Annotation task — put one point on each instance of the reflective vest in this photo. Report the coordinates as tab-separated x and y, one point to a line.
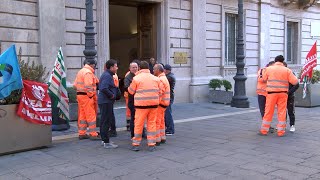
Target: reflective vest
261	85
85	81
116	80
145	88
278	78
164	90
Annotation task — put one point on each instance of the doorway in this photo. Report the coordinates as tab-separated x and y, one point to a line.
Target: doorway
133	32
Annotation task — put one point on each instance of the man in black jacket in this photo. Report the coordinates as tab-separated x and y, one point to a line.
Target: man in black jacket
127	81
107	95
291	105
168	113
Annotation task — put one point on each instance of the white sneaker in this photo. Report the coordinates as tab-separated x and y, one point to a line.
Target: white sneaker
110	145
292	128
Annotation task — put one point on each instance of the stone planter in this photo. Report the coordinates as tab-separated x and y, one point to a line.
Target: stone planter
73	111
219	96
312	98
17	134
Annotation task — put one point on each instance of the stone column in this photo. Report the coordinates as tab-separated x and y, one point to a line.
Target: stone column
264	32
103	34
198	62
51	30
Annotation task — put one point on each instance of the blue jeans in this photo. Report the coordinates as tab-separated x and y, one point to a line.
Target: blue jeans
168	119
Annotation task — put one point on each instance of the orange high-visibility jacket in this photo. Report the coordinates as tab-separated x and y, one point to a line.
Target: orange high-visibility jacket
164	90
278	78
85	81
145	88
261	85
116	80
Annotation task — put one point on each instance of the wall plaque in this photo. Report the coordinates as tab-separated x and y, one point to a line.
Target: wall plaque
180	58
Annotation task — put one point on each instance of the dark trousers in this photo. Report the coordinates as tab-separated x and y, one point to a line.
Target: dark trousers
113	122
168	119
262	104
132	111
291	111
107	115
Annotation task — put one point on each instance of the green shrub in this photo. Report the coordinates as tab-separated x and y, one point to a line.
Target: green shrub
315	76
72	95
215	83
227	85
31	72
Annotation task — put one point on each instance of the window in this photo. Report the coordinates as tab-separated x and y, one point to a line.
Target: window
292	42
230	38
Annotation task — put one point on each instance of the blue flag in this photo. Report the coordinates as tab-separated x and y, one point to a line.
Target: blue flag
10	76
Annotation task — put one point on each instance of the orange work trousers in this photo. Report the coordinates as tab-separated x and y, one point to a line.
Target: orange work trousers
279	99
128	114
140	116
86	115
161	135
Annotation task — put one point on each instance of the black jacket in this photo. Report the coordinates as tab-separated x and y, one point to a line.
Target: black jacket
127	81
172	81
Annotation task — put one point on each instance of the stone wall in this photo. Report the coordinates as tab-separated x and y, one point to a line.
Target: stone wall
19	25
180	41
74	35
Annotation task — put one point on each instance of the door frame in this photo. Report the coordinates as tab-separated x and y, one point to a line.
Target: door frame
103	36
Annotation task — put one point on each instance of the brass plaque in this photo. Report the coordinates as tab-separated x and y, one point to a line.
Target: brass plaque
180	58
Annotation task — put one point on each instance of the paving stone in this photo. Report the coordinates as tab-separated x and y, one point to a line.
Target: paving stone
72	170
12	176
51	176
288	175
34	171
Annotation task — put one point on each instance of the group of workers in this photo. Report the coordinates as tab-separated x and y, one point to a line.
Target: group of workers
275	88
149	93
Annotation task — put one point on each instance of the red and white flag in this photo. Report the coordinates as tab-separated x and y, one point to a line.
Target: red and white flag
311	62
35	103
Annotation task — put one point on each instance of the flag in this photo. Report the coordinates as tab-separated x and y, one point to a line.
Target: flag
311	62
304	90
307	69
10	76
35	103
58	90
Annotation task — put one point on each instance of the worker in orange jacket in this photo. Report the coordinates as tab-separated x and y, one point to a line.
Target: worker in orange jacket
145	88
278	78
158	71
262	92
128	114
85	84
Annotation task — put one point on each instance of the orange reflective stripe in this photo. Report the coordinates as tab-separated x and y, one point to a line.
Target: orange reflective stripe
145	98
147	90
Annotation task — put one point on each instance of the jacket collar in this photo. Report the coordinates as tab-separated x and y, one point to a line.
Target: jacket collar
162	74
143	71
110	72
278	64
88	67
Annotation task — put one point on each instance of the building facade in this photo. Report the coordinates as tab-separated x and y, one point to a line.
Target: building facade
196	37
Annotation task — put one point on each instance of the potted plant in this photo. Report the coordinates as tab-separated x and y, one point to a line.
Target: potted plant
19	134
312	98
73	104
217	95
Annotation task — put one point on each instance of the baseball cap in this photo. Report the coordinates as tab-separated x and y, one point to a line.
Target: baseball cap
167	67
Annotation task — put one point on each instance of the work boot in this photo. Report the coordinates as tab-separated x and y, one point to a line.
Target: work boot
163	141
157	143
81	137
260	134
94	138
152	148
135	148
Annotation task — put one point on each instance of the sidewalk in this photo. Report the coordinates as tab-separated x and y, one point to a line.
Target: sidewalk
212	141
